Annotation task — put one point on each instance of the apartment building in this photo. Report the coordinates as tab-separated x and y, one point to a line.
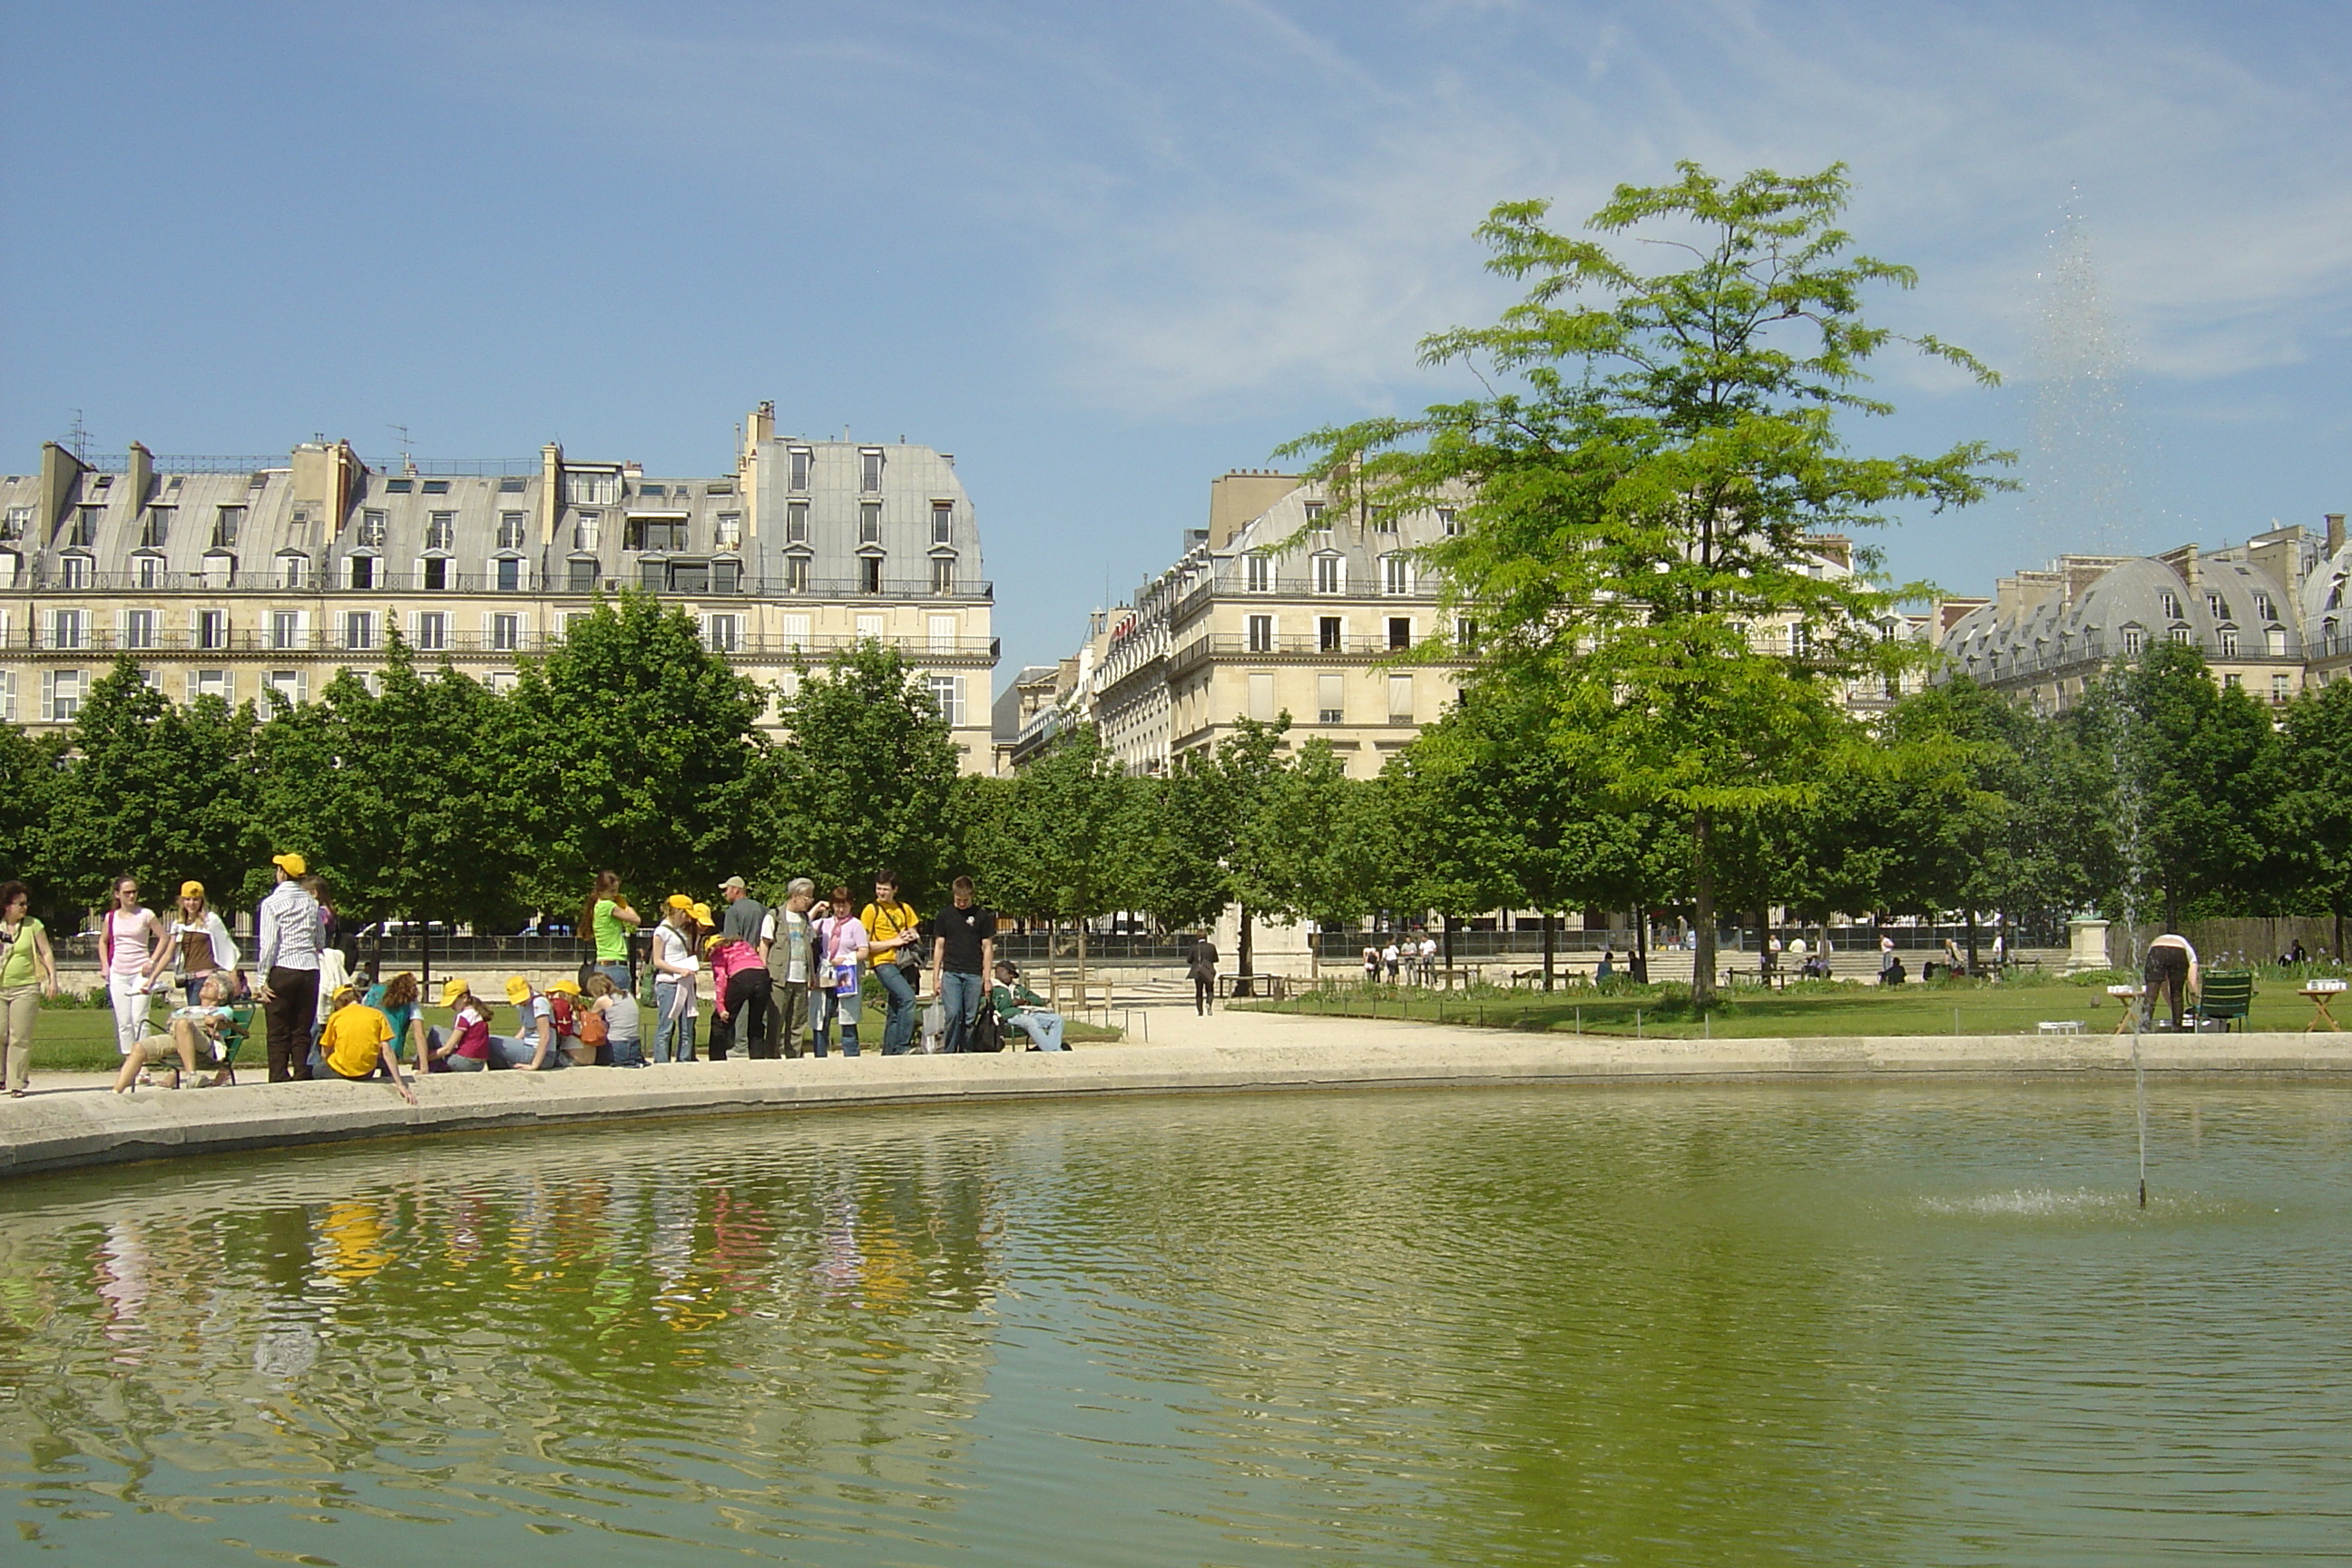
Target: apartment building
241	577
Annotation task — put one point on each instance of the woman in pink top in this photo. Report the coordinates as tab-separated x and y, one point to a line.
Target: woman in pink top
134	949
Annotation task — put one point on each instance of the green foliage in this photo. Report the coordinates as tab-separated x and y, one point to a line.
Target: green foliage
2312	819
1062	841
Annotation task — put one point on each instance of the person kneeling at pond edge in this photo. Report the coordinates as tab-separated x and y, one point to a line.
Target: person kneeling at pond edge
1023	1009
533	1046
357	1040
202	1019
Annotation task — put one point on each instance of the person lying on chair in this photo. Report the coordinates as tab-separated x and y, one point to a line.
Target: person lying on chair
1023	1009
201	1020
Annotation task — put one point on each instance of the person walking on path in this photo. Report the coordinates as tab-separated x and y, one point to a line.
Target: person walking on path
286	953
201	945
28	970
675	965
894	949
2170	971
964	953
784	939
609	922
133	949
1201	964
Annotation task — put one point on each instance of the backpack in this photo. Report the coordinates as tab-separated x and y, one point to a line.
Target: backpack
593	1030
567	1021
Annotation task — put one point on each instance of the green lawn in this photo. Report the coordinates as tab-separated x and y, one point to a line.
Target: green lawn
1814	1009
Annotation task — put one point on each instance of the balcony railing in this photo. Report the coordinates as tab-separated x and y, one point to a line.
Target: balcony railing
1236	645
267	641
48	579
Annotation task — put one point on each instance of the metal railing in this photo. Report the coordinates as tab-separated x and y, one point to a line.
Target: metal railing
49	577
333	639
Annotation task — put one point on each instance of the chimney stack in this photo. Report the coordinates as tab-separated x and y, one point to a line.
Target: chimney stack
2335	532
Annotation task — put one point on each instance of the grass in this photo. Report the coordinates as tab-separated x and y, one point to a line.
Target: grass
1812	1009
81	1039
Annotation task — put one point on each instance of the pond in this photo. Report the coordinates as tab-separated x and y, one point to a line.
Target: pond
1675	1325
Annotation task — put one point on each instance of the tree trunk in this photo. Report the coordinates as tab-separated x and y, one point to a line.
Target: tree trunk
1242	986
2340	934
1082	968
1703	912
1764	961
1638	964
1551	945
424	935
1449	942
1972	939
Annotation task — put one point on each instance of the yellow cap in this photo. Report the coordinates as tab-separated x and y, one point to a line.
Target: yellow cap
702	915
569	987
192	889
711	941
451	990
293	865
678	901
518	990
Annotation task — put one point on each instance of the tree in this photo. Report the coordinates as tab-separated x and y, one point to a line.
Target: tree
630	747
1218	798
1063	841
153	791
1634	514
29	772
2313	817
862	779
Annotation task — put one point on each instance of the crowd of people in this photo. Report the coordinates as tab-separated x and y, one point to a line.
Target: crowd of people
781	982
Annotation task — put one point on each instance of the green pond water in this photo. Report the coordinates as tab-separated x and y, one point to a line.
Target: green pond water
1692	1325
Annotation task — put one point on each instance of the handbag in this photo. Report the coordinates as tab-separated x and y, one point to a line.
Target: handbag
593	1030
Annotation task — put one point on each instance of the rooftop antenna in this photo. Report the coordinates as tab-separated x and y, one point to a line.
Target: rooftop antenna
78	439
407	457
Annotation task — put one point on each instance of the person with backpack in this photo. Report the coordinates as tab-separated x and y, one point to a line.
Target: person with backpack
895	950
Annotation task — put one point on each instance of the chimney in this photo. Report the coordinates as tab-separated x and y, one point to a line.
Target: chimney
2335	532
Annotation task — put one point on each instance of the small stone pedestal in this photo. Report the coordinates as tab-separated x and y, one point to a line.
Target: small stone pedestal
2088	946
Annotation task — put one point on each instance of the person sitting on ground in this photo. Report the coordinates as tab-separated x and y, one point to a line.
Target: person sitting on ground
202	1019
358	1039
532	1046
466	1047
1023	1009
398	1000
565	1007
624	1036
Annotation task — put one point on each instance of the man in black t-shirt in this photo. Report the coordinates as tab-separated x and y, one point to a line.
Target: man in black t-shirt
963	950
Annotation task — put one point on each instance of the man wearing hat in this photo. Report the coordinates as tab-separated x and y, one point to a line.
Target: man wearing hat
287	957
746	1026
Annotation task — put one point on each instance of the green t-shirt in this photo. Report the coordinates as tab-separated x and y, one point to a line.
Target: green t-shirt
612	936
19	968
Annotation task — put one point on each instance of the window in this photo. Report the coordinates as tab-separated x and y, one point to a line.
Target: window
138	628
943	574
373	527
287	683
796	574
656	533
1465	635
1328	638
1261	697
2133	639
573	620
1448	521
942	522
293	571
436	487
2278	688
506	633
512	485
68	628
212	629
1383	520
869	522
2180	634
1261	633
12	567
509	569
509	530
148	570
1331	699
19	523
657	489
1396	575
259	481
210	683
362	571
869	574
502	681
2234	682
2264	608
441	531
284	629
391	487
228	524
2274	642
2228	641
942	634
436	572
1257	572
591	488
724	487
1400	699
869	470
580	576
67	687
1330	574
723	634
1315	514
2216	608
1400	631
799	460
85	526
74	572
690	576
2171	602
796	522
947	694
359	630
586	528
156	528
727	533
796	630
869	627
433	631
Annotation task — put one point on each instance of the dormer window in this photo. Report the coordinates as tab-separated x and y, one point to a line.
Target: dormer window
398	487
2216	607
372	530
436	487
228	524
1330	574
74	572
2264	608
156	528
362	569
2135	638
441	531
147	571
2170	604
293	570
85	526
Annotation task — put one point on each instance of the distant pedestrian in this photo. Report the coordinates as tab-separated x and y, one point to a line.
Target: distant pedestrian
963	953
610	921
1607	968
1201	964
1372	964
1428	958
747	1025
133	951
1390	957
28	970
1886	958
2170	971
286	955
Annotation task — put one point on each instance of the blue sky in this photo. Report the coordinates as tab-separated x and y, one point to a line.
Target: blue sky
1104	252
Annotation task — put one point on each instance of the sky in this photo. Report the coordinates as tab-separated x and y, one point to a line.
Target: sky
1103	253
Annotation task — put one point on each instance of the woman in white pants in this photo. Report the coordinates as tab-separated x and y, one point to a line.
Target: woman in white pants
134	949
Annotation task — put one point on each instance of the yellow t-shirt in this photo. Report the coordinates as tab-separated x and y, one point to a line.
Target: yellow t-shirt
883	921
354	1039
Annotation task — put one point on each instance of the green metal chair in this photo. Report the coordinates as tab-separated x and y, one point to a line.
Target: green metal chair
2227	997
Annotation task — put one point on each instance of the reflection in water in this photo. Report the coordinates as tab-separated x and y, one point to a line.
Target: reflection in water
1471	1328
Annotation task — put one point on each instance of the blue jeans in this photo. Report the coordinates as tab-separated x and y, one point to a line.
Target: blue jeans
512	1051
1044	1028
899	1030
618	973
673	1036
961	995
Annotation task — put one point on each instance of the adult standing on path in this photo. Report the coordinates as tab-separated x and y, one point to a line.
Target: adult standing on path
201	945
287	954
894	949
741	922
784	946
609	921
1200	963
964	953
132	951
2170	971
846	947
28	970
